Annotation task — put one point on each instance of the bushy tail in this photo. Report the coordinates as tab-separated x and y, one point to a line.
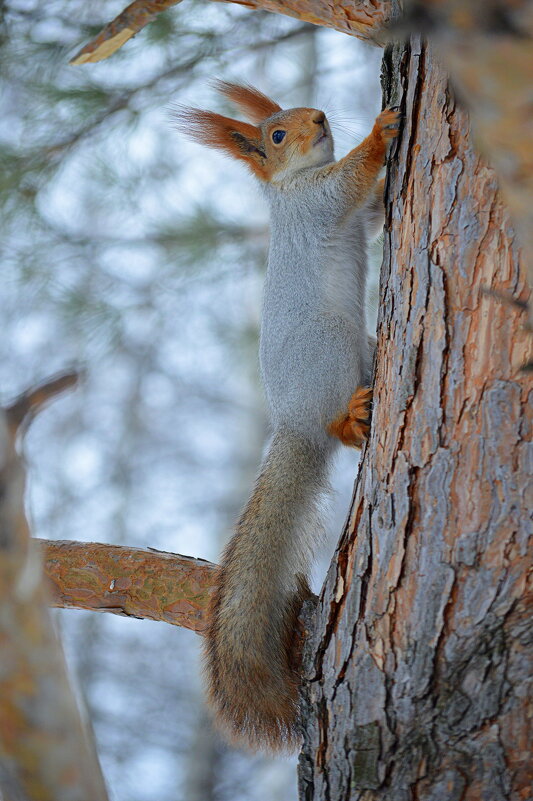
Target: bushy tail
261	585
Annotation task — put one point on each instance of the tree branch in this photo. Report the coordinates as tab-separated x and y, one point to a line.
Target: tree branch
128	581
361	18
22	411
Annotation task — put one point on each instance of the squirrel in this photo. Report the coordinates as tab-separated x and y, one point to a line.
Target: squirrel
314	352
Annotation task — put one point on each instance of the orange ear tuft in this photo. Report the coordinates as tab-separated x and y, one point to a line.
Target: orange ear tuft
240	139
257	106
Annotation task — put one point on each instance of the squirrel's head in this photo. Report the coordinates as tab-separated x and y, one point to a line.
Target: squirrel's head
277	144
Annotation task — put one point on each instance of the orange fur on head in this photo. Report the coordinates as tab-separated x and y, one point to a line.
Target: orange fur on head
257	106
240	139
306	137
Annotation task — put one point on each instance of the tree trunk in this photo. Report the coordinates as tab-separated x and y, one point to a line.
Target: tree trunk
47	751
416	666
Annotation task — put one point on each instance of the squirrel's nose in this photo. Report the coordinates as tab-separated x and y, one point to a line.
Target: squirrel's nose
319	117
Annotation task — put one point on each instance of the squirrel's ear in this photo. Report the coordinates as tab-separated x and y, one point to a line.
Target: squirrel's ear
257	106
239	139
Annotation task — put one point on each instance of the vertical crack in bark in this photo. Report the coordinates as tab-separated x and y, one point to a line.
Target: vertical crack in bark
414	111
336	606
321	756
444	366
365	576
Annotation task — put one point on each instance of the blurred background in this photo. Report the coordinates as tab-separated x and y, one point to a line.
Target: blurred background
140	256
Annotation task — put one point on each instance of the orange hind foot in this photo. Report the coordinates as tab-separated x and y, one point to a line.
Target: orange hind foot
353	426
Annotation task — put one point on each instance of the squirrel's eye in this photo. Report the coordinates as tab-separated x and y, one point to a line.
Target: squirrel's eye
278	136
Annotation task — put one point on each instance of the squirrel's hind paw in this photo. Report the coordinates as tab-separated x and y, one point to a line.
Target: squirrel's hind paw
352	427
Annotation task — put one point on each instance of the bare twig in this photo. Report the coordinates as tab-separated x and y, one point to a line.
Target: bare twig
506	297
22	411
518	303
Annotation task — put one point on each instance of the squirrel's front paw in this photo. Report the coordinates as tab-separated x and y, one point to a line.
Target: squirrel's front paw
352	427
388	124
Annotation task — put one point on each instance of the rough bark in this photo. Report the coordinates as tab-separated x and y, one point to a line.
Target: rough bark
128	581
416	668
486	46
46	750
361	18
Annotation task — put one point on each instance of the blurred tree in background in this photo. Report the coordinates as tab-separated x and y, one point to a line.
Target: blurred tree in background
140	256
